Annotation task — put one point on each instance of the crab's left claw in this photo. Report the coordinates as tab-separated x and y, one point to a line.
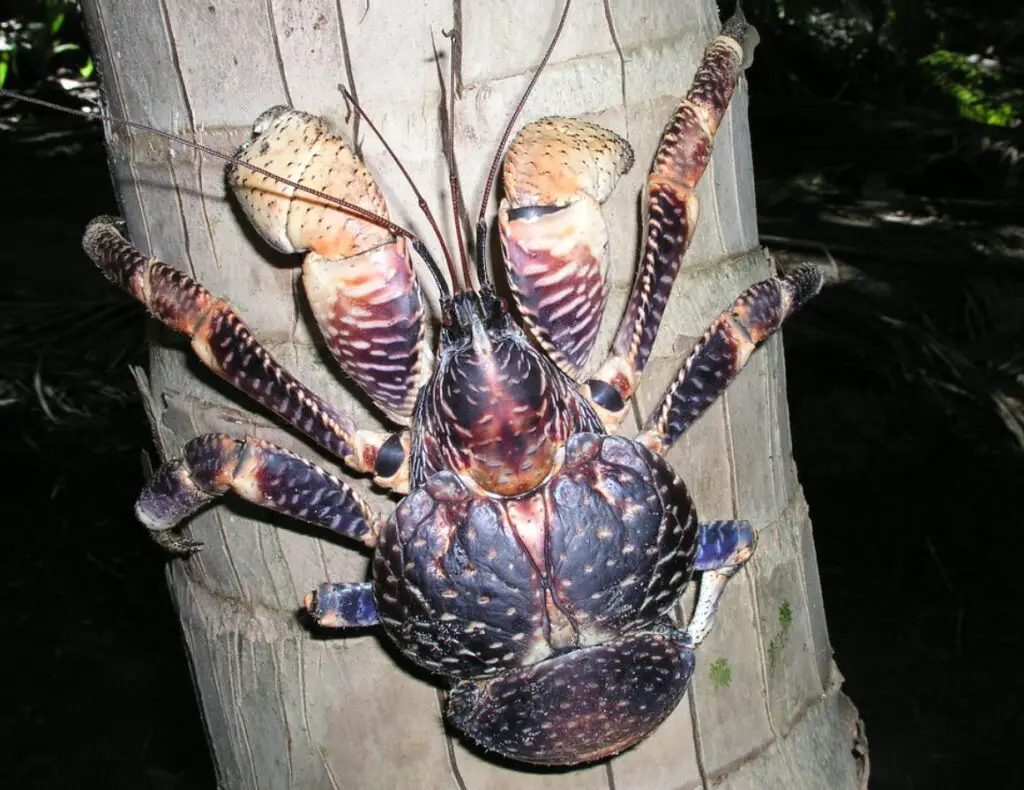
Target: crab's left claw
580	706
557	173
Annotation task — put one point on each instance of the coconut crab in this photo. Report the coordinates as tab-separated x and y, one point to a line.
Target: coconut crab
535	556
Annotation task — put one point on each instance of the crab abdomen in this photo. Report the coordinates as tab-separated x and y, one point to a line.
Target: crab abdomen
470	585
580	706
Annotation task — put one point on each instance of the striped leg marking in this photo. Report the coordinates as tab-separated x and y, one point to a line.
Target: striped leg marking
671	215
720	355
722	549
259	472
225	345
343	605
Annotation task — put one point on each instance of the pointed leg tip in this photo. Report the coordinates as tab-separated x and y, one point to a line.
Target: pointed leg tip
801	284
736	25
811	274
98	228
176	543
105	222
737	28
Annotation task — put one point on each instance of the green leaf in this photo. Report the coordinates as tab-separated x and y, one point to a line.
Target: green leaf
56	23
3	71
87	70
972	87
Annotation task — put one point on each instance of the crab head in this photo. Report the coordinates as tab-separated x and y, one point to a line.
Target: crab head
496	410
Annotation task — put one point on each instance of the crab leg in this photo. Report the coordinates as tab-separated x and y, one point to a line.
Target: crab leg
226	346
343	605
259	472
720	355
671	214
722	549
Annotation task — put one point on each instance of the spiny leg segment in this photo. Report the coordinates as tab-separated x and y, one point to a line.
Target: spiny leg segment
724	349
671	212
225	345
722	549
341	605
259	472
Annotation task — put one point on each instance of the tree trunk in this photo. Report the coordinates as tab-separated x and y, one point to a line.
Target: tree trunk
284	709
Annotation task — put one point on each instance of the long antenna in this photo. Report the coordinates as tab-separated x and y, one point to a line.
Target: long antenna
349	208
448	142
481	222
344	205
419	196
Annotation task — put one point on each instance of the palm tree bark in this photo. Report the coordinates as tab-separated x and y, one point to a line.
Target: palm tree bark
285	709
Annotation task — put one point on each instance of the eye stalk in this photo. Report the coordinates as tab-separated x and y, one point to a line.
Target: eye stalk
494	307
460	313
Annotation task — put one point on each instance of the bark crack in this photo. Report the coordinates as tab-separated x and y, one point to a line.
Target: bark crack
346	55
272	23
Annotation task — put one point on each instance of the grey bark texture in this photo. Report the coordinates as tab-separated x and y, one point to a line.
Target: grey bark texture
286	710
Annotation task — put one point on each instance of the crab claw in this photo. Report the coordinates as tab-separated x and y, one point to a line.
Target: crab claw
578	707
554	238
358	277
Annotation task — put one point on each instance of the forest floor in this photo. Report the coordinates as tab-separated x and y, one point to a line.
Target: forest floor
902	395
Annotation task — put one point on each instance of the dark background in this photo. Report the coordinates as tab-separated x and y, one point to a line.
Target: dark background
887	144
